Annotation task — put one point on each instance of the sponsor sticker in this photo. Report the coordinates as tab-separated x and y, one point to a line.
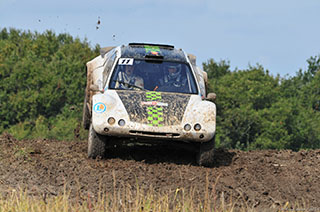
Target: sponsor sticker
154	103
155	50
99	107
126	61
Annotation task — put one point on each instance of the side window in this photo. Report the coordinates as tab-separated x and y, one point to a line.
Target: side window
108	67
196	72
200	81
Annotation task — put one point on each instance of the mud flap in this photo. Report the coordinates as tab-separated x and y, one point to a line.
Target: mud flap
205	154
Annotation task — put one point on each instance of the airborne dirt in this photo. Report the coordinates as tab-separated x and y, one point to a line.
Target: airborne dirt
260	179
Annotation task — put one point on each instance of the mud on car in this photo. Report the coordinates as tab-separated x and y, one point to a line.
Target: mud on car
148	93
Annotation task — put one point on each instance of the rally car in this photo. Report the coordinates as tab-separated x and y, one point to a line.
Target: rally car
148	92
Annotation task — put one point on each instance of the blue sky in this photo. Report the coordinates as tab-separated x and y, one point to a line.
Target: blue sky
279	35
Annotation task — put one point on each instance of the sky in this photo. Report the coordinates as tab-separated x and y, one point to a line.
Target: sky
280	35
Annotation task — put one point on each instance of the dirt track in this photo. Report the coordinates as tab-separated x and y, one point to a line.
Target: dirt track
262	178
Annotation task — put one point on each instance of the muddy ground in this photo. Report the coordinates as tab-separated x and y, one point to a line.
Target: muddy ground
261	179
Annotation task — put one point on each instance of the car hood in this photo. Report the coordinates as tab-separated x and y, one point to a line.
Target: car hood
154	108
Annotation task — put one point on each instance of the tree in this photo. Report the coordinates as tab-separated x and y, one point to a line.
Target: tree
41	75
240	97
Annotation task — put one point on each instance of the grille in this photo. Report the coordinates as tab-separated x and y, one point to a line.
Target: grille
154	134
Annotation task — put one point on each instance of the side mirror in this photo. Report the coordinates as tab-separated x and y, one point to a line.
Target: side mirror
95	88
211	96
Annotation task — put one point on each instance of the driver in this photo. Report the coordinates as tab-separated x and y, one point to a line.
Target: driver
173	80
127	77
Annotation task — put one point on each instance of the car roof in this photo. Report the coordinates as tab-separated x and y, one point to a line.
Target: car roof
152	51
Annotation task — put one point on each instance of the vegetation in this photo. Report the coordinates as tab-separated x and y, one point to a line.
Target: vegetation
259	111
43	78
42	83
131	199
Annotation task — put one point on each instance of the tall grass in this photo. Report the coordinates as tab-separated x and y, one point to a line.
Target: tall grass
125	200
131	199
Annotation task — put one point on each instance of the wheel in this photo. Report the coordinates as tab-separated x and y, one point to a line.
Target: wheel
96	144
85	114
205	155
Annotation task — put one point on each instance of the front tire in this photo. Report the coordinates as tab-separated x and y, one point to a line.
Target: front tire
205	155
96	144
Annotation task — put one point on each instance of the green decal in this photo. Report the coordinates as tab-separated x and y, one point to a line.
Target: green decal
153	96
155	112
152	49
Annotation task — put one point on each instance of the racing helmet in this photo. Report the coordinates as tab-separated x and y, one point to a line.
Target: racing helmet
176	73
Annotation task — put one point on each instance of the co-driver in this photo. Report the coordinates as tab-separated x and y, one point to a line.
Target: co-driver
128	80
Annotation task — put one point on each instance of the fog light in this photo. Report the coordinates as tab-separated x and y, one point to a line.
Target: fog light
111	120
106	129
121	122
197	127
187	127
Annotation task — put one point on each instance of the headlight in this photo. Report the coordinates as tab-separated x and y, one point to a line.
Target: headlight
187	127
197	127
121	122
111	120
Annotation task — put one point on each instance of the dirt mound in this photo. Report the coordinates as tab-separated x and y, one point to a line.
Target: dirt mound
261	179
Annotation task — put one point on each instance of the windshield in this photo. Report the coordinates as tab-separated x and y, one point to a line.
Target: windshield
135	74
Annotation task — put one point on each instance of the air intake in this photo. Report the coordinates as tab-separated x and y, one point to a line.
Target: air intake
154	134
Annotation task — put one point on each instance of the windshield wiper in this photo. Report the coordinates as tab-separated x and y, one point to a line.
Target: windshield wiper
131	85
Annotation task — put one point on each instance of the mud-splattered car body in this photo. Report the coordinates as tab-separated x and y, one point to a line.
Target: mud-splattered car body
153	110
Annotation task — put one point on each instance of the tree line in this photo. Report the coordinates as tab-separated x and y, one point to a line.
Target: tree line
259	111
43	77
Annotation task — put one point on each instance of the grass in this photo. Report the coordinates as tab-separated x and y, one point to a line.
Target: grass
131	199
125	200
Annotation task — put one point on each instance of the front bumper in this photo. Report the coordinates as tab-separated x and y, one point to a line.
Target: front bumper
177	132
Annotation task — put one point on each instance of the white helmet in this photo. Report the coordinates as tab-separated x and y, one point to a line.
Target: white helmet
176	73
